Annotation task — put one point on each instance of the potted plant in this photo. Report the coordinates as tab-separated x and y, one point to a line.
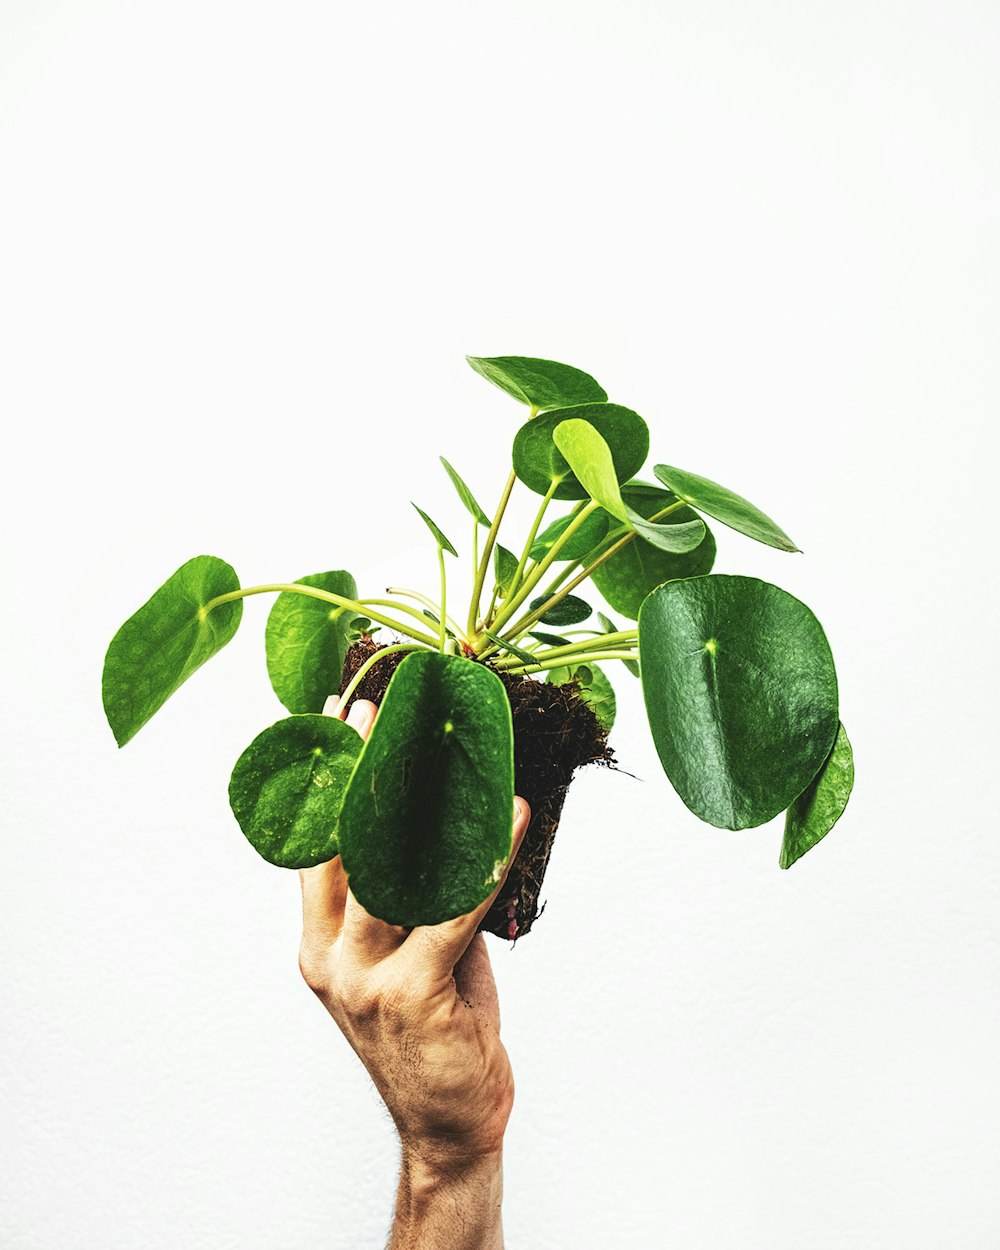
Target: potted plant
511	694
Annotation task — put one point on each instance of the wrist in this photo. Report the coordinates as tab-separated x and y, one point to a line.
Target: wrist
448	1200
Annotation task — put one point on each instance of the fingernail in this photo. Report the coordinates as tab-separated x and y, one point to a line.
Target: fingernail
332	706
361	715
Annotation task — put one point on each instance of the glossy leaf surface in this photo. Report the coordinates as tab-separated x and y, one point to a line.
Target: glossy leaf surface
161	645
288	785
627	577
579	543
594	688
425	831
821	804
538	460
466	495
584	448
306	640
568	611
539	383
438	536
724	505
741	695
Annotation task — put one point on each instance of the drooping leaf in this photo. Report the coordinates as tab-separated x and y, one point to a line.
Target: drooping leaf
466	495
161	645
504	568
579	543
438	536
513	648
609	627
425	830
627	577
821	804
741	695
539	383
306	640
538	459
584	448
594	688
729	508
568	611
288	785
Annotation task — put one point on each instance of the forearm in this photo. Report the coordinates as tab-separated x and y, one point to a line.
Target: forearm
448	1209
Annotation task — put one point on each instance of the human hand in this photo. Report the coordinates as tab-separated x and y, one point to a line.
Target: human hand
420	1009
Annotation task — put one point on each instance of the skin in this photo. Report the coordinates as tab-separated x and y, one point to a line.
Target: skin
420	1009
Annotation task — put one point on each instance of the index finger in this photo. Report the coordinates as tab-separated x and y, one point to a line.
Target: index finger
438	948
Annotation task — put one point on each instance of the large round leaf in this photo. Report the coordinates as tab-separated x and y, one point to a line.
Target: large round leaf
306	640
627	577
161	645
821	804
288	785
726	506
740	692
425	831
539	383
537	459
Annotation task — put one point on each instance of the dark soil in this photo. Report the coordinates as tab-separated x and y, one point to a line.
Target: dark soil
555	733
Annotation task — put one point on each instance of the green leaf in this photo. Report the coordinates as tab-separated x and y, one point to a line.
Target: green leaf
539	383
538	460
306	641
425	831
568	611
466	495
438	536
594	688
161	645
288	785
740	692
504	568
627	577
511	647
731	509
552	640
579	543
592	462
609	627
821	804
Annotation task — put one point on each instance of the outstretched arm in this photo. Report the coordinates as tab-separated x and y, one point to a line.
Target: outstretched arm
420	1009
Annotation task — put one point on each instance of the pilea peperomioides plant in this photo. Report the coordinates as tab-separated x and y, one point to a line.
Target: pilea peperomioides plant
737	676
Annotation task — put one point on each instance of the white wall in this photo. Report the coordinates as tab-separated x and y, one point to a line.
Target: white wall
243	248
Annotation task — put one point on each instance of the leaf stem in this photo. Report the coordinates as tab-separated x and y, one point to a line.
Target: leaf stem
444	593
359	676
428	603
539	515
542	567
572	650
328	596
595	656
484	559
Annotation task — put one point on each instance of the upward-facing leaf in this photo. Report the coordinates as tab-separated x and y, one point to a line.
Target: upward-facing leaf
538	459
425	829
466	495
726	506
438	536
306	640
590	458
161	645
740	692
539	383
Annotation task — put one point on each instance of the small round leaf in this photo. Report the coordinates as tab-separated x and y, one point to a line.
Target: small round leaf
288	785
570	610
537	459
539	383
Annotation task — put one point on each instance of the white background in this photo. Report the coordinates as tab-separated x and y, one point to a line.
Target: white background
243	249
